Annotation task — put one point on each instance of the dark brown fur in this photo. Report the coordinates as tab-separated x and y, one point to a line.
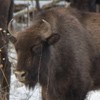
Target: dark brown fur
85	5
69	65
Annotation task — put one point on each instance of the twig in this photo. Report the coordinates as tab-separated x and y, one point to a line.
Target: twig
31	9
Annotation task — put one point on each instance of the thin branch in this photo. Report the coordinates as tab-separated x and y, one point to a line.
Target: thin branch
24	11
37	5
31	9
51	4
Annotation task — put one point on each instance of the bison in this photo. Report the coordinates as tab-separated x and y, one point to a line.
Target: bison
60	51
85	5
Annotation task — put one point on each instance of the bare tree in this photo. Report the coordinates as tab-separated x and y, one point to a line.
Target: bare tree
37	5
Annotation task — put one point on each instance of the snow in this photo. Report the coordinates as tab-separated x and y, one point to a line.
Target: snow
32	3
20	92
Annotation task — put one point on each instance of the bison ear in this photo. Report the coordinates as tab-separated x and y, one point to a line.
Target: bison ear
53	38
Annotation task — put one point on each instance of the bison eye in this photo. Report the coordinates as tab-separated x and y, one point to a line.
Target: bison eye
37	48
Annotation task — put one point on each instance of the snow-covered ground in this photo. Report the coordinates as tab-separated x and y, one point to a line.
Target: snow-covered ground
20	92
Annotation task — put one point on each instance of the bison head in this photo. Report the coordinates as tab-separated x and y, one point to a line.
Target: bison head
33	51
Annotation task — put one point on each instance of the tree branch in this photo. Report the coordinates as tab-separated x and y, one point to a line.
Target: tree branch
37	5
31	9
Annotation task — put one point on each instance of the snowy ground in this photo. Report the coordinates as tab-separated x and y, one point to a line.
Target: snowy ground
20	92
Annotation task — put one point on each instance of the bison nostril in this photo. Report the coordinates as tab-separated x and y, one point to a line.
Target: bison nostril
21	75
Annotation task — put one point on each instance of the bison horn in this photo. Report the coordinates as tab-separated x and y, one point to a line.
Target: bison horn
10	26
12	38
48	33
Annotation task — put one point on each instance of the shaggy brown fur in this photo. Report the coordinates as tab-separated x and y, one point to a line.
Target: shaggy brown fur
85	5
66	63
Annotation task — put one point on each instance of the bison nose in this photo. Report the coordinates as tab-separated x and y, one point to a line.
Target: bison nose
20	75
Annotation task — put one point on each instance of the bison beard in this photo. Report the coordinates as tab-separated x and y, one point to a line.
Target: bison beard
60	51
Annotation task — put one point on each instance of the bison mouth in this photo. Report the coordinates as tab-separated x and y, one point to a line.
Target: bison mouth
28	78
